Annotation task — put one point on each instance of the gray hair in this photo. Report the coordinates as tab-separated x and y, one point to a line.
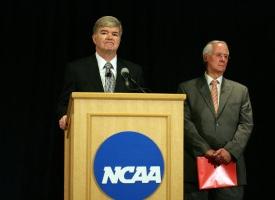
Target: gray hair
208	49
107	21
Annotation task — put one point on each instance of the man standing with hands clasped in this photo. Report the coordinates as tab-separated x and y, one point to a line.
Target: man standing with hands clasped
102	71
218	123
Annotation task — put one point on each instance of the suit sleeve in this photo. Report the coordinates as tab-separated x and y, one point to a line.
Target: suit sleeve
237	145
194	143
68	87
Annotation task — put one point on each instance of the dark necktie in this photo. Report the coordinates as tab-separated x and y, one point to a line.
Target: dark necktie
109	78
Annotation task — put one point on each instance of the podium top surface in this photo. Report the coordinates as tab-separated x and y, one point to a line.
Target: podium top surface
152	96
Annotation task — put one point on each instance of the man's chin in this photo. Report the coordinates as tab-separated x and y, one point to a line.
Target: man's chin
110	50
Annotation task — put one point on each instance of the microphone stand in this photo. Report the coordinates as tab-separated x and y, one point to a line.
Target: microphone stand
137	85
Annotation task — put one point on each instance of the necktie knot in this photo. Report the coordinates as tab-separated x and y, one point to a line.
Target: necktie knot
108	65
214	82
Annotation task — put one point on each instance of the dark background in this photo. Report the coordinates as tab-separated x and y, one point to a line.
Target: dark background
39	37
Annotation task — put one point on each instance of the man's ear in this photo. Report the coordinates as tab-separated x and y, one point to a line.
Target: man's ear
93	38
205	58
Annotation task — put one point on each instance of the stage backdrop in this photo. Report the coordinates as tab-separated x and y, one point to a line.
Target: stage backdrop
166	39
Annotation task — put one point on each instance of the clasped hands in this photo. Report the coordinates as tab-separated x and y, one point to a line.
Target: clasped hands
218	157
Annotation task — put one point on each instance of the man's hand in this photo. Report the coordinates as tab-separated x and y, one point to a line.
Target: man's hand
222	156
63	122
218	157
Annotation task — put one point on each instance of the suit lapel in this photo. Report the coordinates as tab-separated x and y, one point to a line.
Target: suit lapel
94	73
226	89
205	93
120	83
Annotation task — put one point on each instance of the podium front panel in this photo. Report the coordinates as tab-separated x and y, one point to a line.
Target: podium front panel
93	120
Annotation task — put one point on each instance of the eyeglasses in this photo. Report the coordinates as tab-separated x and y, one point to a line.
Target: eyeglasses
221	55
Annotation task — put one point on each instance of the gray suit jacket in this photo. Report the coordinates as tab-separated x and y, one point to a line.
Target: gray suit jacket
230	128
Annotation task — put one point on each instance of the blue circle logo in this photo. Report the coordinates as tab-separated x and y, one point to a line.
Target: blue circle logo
128	165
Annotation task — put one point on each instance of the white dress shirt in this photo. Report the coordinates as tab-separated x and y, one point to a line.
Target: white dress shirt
101	63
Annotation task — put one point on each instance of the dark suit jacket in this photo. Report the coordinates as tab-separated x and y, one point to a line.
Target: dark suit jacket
230	128
83	76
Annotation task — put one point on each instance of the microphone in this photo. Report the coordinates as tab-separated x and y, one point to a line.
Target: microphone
126	75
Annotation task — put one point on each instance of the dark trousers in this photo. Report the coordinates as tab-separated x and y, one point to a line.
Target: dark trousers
191	192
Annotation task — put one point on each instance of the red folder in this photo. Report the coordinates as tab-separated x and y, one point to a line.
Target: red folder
213	176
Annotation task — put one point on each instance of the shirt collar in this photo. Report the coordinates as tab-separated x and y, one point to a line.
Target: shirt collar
101	61
209	79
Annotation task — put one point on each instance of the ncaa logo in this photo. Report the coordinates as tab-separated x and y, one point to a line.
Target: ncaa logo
128	166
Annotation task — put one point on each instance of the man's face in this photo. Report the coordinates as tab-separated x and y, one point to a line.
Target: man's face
107	38
217	61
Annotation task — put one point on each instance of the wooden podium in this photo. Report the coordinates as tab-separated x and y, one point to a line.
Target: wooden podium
93	117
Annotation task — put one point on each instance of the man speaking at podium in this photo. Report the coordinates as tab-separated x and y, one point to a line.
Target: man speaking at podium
102	71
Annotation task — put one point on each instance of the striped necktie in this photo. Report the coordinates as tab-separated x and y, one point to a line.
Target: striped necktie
214	94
